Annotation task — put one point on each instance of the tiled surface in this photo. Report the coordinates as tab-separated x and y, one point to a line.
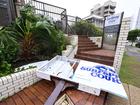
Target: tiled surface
133	97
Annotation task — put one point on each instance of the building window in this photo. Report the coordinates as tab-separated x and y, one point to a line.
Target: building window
112	7
92	12
99	9
107	7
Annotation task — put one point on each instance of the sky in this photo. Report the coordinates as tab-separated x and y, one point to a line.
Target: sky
81	8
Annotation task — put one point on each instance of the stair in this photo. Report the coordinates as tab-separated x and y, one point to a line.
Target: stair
96	56
85	44
98	59
87	50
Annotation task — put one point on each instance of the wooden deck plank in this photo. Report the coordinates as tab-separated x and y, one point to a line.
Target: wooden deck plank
78	97
72	94
47	88
24	97
82	98
18	100
34	99
37	94
10	101
3	103
101	99
42	91
90	100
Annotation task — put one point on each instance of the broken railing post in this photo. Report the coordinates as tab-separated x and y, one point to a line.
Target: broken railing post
61	85
53	97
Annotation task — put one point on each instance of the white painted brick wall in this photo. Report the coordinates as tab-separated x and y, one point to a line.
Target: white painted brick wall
121	43
15	82
71	50
97	40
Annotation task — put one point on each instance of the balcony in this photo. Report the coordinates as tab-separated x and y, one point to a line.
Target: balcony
109	10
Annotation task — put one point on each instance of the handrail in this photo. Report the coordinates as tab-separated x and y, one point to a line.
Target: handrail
71	30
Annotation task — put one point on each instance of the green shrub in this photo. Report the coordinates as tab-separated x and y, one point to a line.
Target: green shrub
8	52
85	28
37	35
29	37
5	68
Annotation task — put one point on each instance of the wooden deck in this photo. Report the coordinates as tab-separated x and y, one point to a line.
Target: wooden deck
82	98
38	93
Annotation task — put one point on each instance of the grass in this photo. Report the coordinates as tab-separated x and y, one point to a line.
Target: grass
130	71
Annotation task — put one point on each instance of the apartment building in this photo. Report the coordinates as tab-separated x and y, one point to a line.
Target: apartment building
98	21
98	12
108	8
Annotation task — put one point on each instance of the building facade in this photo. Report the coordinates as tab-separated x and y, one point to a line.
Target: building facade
98	12
98	21
138	20
108	8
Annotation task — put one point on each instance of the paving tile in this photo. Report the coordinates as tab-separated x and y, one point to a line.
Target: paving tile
115	100
134	95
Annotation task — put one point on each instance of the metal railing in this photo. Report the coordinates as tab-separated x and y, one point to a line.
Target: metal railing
57	14
54	12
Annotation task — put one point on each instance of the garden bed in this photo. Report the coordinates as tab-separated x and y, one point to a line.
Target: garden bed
15	82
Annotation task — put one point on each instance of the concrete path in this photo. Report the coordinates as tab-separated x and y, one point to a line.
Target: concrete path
133	97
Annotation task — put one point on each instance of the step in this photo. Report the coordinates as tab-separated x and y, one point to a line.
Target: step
102	61
88	45
88	49
96	56
85	43
82	36
82	43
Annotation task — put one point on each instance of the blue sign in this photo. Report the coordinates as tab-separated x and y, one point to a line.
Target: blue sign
102	72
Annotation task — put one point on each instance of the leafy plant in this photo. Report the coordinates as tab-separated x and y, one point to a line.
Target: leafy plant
29	37
8	51
5	68
85	28
37	35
